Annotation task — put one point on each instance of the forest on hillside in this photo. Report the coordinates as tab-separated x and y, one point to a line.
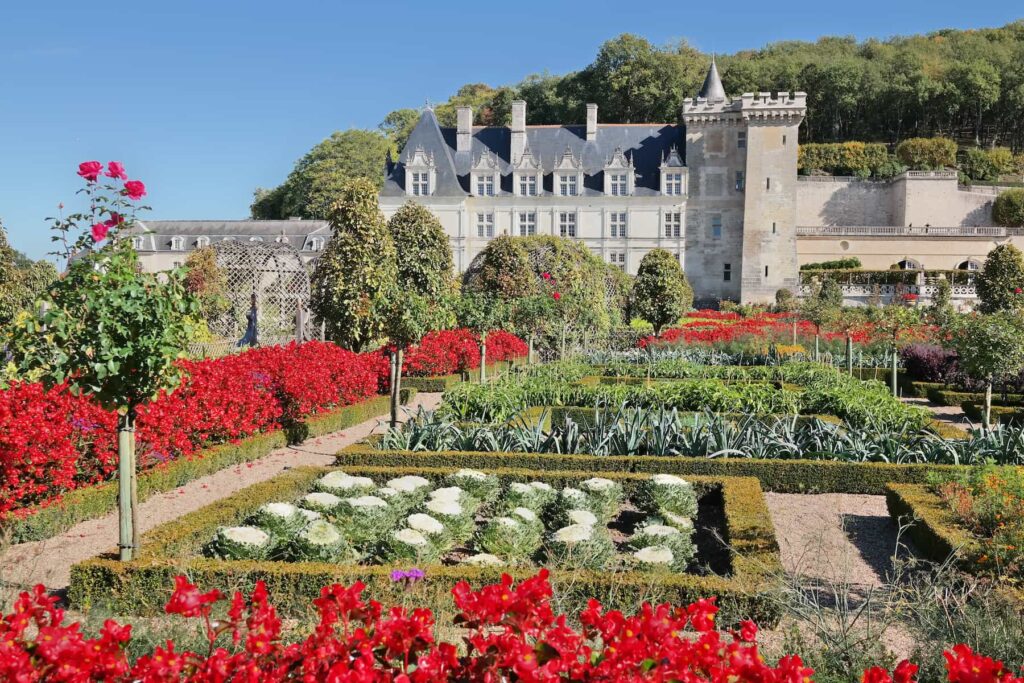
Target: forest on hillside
967	85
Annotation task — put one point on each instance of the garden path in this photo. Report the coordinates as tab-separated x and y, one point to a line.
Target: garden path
951	415
49	562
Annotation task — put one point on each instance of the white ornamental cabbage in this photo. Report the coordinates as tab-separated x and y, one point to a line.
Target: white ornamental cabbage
309	515
408	484
483	560
425	524
320	542
580	546
240	543
605	496
664	493
320	501
662	535
364	519
484	487
526	495
340	483
457	520
574	533
280	520
581	517
510	539
654	557
409	545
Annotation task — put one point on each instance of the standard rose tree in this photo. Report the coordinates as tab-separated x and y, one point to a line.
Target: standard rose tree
108	330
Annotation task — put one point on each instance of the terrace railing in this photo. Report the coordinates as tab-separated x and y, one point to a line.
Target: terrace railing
905	231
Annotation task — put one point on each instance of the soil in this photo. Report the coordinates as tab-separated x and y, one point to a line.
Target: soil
49	562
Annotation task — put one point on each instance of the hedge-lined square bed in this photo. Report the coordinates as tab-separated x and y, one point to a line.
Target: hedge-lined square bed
621	538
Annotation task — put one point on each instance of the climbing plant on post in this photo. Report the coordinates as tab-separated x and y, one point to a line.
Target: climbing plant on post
108	329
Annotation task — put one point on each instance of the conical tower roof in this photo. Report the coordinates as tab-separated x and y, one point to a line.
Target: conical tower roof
712	89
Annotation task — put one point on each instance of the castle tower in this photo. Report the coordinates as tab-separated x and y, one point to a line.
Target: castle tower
741	213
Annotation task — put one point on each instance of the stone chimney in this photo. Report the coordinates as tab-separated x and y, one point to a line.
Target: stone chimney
591	122
464	130
518	130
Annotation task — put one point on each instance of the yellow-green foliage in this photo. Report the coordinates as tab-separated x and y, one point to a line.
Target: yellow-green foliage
927	154
143	585
860	159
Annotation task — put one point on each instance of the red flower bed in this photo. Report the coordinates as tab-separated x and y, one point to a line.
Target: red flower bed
447	352
51	441
710	327
511	633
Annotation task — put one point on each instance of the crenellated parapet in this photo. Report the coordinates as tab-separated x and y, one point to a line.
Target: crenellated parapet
783	107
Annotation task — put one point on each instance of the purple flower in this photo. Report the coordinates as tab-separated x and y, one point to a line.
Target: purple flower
408	576
397	575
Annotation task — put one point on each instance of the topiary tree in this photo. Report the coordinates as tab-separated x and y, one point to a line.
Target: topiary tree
847	321
109	329
820	306
661	293
1008	208
482	314
420	300
357	270
1000	284
505	270
988	347
941	309
890	321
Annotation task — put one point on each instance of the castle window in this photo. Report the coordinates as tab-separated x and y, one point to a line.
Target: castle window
619	187
783	139
674	224
316	244
767	183
741	181
673	184
201	241
527	223
716	226
485	225
617	222
137	243
177	243
909	264
766	271
528	185
969	264
567	185
421	183
485	185
617	258
773	227
567	223
256	239
741	140
727	272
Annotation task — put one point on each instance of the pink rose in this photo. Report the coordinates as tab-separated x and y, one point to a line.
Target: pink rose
115	220
1017	291
99	231
134	189
556	296
116	170
90	170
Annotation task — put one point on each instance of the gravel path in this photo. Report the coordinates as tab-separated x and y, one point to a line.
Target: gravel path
951	415
834	537
49	562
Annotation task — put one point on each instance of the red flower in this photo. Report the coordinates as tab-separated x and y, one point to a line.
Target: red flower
546	275
188	601
748	631
905	672
1017	291
90	170
556	296
99	231
876	674
115	220
116	170
134	189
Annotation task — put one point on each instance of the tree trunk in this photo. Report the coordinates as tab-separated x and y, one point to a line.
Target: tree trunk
794	331
987	417
895	357
849	354
126	485
529	353
817	354
396	385
483	358
561	351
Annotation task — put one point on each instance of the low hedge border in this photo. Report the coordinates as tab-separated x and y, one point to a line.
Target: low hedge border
436	384
780	476
1000	414
76	506
141	587
945	396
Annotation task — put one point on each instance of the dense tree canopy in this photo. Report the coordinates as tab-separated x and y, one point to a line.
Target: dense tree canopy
661	293
1001	280
22	280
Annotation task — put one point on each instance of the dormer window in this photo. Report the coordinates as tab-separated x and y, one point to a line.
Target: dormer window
316	243
137	242
618	175
177	243
528	185
567	186
674	184
256	239
485	185
673	174
420	173
526	175
202	241
486	174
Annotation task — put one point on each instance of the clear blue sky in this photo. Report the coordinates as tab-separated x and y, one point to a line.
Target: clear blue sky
204	101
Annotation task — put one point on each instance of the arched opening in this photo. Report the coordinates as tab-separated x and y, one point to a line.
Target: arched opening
970	264
909	264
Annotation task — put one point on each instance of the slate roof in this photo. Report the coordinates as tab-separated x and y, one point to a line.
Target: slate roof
158	234
647	144
712	88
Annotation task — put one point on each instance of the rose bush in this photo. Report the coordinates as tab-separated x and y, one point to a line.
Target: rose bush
52	441
511	633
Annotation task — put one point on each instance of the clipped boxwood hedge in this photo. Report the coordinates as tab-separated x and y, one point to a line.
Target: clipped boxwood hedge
1001	414
948	397
142	586
95	501
436	384
933	528
782	476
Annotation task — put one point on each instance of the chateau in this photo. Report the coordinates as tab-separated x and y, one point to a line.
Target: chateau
719	189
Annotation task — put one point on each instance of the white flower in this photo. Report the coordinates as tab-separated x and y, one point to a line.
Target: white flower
574	533
425	524
283	510
582	517
506	521
519	487
471	474
409	537
540	486
654	554
386	492
597	484
657	530
310	515
447	493
483	560
246	535
447	508
408	483
322	500
525	514
364	502
669	480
